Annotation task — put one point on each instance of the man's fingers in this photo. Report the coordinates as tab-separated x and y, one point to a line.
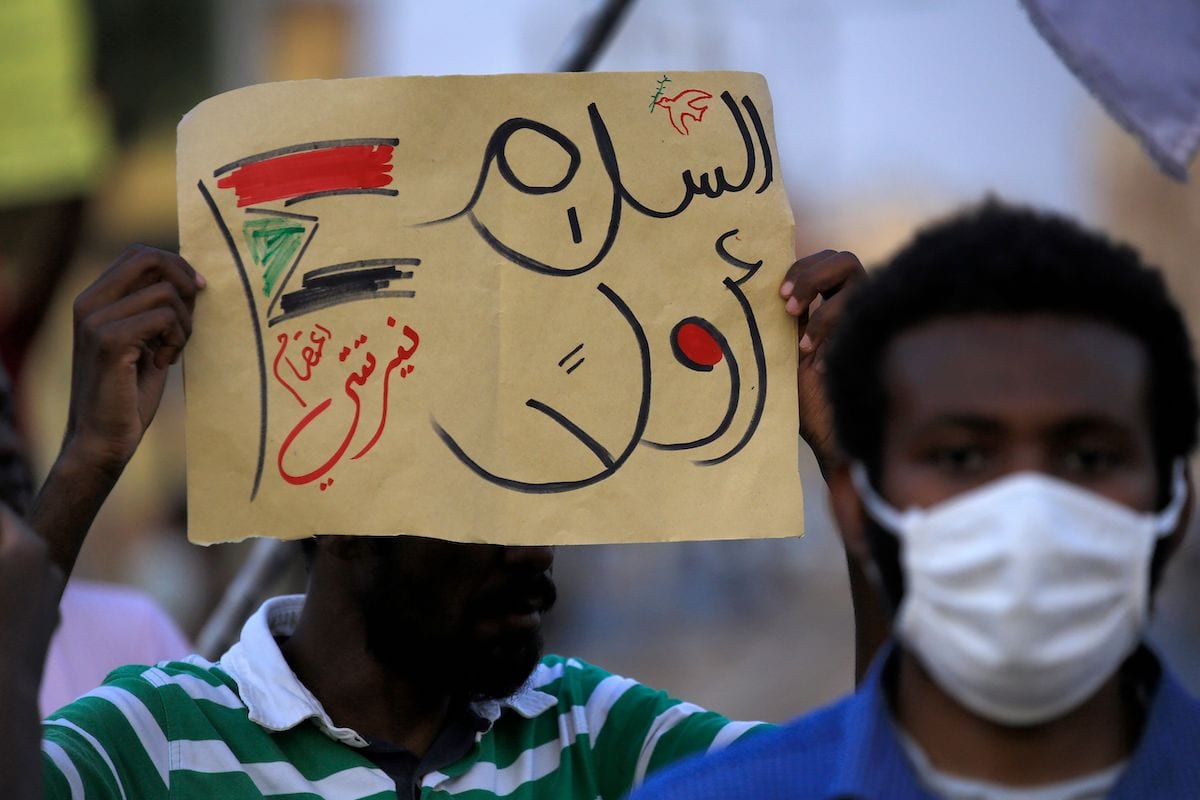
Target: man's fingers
798	267
822	321
157	295
161	334
137	267
157	330
820	274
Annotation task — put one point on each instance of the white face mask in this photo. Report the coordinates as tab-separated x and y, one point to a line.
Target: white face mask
1024	595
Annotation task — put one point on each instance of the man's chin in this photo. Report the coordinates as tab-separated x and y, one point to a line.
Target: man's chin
503	664
489	661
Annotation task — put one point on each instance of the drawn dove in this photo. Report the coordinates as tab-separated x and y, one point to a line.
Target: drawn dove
692	105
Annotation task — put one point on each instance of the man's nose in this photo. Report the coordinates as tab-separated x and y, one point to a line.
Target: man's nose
1031	457
537	558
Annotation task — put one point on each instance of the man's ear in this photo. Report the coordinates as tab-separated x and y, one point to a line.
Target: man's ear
1175	538
871	619
849	514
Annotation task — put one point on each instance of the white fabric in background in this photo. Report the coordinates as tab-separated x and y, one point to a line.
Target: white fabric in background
1141	59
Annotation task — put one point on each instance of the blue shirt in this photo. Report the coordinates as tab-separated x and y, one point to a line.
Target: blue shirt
851	750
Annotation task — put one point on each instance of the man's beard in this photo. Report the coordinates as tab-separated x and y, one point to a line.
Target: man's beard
410	634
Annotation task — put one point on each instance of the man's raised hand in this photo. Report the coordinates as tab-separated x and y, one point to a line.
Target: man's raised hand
815	291
130	326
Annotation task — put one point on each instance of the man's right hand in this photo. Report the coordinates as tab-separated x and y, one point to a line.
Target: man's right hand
130	326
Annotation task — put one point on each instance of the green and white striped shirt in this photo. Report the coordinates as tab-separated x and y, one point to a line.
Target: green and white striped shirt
246	728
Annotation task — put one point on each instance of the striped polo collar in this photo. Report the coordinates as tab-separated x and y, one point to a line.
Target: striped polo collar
278	701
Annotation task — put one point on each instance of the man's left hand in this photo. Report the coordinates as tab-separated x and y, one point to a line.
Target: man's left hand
815	291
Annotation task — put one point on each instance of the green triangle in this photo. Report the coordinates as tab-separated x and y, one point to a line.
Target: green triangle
273	242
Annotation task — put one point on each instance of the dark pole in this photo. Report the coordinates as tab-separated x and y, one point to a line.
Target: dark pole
591	36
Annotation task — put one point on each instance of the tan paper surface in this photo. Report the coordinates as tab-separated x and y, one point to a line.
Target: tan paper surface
516	309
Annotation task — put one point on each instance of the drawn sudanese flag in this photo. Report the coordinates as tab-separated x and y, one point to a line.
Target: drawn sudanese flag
545	320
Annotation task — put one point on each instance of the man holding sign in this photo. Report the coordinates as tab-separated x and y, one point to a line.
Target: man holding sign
412	665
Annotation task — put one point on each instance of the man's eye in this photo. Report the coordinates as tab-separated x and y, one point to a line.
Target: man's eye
1093	460
958	459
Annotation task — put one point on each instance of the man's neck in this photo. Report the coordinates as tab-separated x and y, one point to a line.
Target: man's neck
328	653
958	742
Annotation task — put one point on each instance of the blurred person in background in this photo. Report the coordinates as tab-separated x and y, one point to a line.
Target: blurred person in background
29	589
1018	398
82	82
56	138
102	626
412	666
54	141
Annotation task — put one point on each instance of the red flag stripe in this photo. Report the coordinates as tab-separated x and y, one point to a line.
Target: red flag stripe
332	169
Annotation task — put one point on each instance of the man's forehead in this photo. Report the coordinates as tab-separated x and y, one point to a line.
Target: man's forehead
1038	368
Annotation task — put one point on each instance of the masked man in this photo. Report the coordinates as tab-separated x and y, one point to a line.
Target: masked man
1017	397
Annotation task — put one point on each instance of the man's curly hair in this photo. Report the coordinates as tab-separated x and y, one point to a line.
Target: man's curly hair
1000	259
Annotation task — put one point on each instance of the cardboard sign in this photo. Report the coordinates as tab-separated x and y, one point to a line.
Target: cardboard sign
519	309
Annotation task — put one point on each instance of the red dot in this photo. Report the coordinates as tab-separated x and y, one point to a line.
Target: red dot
697	344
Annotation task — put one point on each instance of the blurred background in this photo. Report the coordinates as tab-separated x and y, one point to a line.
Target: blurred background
886	114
